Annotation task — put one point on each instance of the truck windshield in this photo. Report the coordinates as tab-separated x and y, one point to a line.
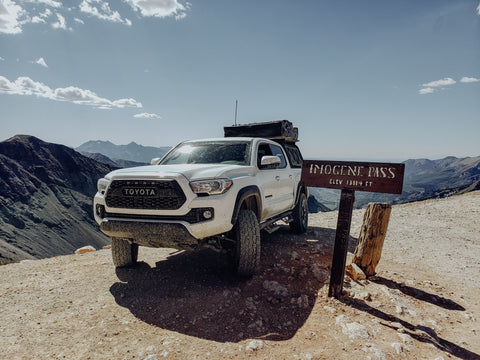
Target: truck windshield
211	152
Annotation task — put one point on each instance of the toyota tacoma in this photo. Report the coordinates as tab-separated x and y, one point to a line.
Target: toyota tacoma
218	193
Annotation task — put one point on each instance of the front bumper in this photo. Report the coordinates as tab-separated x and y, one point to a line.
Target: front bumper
152	234
152	223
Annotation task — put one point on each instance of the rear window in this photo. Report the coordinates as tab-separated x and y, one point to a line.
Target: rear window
294	156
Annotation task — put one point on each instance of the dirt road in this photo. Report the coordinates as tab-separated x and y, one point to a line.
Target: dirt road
423	304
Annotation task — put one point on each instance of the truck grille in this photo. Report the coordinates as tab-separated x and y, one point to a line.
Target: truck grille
147	195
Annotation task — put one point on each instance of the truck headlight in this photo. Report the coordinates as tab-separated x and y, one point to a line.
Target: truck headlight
102	185
211	186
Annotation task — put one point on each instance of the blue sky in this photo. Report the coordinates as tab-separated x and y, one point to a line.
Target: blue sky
363	80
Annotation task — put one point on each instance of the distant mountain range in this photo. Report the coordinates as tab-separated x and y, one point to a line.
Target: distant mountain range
117	163
46	193
131	152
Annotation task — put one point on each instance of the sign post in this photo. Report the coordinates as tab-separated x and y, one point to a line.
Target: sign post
350	177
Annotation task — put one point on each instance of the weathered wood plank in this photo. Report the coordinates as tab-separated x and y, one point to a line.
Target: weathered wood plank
361	176
372	235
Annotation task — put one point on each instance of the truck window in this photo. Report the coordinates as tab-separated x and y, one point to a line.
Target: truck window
269	149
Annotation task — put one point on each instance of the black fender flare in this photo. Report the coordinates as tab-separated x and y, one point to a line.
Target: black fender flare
301	188
243	194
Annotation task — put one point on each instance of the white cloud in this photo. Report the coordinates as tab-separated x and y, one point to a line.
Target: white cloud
181	16
10	14
28	87
2	59
147	116
14	14
466	79
478	9
61	23
41	62
24	86
52	3
159	8
41	17
101	9
443	82
427	90
37	20
122	103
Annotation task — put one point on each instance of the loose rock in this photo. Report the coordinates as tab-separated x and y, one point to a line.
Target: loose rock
398	348
275	287
254	345
352	329
354	271
85	249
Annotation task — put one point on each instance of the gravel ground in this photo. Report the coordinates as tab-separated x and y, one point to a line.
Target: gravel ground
422	304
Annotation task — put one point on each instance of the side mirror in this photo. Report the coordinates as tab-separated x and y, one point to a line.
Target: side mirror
270	162
155	161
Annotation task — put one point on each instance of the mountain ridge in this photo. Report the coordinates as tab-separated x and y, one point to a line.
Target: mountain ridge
130	152
46	193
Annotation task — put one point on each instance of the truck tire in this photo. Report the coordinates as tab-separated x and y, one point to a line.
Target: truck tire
124	253
247	244
300	215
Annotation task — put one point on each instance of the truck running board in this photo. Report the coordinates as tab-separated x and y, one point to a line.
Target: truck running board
269	225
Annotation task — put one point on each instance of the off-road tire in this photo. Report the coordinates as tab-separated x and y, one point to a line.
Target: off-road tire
123	252
300	215
247	244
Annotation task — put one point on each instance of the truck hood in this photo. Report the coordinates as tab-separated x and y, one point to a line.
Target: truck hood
189	171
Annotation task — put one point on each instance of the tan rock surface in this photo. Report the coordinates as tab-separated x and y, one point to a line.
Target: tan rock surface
423	303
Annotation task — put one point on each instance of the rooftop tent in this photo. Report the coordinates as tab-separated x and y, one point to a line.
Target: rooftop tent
275	130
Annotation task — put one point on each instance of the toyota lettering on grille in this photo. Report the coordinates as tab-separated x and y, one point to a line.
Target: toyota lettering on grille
139	191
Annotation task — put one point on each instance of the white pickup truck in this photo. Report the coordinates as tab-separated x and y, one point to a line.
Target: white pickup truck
213	192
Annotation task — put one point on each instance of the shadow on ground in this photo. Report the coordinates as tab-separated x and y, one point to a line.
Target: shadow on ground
420	333
195	293
419	294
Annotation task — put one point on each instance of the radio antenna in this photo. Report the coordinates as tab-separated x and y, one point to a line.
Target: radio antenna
236	106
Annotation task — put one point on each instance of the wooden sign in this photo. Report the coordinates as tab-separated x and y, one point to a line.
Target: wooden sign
349	177
360	176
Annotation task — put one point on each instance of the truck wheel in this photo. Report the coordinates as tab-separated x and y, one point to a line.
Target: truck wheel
300	215
247	244
123	252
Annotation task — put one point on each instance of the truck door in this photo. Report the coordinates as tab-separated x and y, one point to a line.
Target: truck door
277	185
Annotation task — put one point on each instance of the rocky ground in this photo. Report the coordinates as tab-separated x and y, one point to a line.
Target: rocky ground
422	304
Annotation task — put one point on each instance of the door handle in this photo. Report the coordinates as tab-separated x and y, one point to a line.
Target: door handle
277	178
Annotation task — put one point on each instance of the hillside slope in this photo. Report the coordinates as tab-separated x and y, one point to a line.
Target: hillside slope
46	193
423	303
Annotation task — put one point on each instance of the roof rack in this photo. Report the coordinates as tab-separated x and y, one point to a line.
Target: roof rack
280	130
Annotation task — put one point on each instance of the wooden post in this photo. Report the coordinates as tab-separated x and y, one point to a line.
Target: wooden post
370	242
347	198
